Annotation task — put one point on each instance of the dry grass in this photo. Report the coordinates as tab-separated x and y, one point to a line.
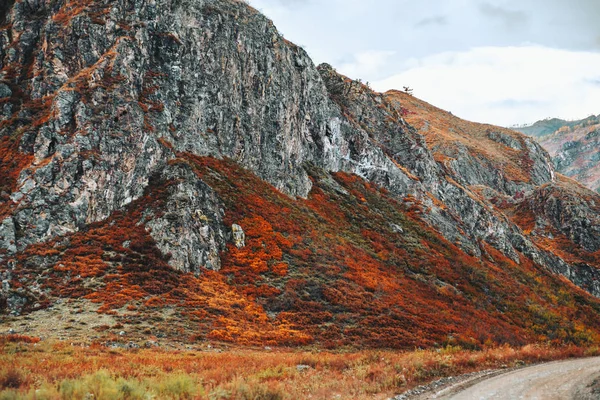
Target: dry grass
446	134
59	370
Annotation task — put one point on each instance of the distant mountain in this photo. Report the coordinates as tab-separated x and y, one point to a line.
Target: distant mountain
543	127
573	145
182	170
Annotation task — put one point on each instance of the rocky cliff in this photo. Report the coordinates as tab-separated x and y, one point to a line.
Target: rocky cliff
574	147
127	124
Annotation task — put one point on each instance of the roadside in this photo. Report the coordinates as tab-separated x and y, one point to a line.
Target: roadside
449	385
558	380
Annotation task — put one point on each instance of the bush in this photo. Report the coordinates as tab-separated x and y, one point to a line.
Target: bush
259	392
9	395
11	379
178	387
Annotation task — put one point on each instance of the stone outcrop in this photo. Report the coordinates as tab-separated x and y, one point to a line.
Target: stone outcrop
190	228
239	238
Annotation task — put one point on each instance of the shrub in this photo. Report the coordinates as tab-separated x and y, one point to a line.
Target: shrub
11	379
16	338
9	395
131	390
178	386
259	392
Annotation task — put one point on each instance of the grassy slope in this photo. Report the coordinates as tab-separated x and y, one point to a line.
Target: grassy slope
446	134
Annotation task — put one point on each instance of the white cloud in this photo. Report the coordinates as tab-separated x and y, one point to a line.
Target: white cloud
505	85
366	63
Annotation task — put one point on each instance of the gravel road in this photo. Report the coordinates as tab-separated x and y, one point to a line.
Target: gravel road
561	380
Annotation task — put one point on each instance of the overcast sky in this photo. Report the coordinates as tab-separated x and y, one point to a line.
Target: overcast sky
499	61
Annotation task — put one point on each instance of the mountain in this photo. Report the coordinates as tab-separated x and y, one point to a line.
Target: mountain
545	127
574	147
178	168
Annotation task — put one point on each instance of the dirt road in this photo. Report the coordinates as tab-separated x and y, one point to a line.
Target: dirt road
560	380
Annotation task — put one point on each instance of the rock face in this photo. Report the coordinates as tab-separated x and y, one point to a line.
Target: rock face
574	147
570	210
191	226
99	96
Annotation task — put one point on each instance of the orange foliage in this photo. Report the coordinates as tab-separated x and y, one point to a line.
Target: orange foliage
329	269
16	338
73	8
396	285
359	375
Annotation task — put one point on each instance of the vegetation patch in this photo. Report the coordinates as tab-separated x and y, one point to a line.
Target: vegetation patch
57	370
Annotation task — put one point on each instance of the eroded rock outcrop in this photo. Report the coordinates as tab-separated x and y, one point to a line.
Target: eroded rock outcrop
191	227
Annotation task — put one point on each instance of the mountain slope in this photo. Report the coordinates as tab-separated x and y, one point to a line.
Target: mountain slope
574	147
138	138
332	269
545	127
505	172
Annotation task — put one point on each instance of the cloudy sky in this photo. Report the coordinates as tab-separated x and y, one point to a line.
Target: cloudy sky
499	61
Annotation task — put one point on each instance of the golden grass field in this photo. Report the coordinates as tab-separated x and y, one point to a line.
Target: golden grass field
31	369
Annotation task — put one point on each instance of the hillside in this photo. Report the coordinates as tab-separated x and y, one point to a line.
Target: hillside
177	170
545	127
574	147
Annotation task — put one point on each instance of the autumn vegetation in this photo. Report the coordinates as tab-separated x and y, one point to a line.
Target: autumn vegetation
332	271
449	138
57	370
347	293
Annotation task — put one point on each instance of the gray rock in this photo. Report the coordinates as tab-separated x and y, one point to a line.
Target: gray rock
302	367
5	91
7	236
191	229
396	228
239	237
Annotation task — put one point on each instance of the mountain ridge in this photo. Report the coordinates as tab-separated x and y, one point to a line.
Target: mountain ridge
124	163
573	146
